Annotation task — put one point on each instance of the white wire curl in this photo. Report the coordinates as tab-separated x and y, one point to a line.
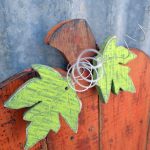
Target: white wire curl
85	65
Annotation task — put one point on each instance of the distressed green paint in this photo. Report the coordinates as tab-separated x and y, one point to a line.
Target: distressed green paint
115	76
46	96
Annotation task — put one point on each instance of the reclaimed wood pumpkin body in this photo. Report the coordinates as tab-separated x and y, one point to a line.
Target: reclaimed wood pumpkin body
123	123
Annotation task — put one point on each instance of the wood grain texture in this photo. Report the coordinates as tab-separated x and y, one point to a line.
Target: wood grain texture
71	39
87	137
46	97
148	135
12	125
122	123
125	115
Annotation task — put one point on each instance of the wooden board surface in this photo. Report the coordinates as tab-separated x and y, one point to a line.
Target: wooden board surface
121	124
12	126
125	119
71	39
77	37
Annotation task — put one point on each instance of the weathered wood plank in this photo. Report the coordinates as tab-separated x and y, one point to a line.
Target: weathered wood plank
71	38
121	124
12	126
148	135
77	36
124	120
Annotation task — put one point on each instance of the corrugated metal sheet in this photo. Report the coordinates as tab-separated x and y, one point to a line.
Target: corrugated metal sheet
23	25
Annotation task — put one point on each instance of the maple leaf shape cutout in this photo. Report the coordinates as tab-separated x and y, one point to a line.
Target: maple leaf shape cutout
46	96
115	73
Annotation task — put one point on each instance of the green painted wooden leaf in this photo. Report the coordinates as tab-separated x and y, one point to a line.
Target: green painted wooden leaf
46	96
115	75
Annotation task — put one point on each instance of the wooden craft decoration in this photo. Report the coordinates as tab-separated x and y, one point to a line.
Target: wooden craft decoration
46	96
52	94
122	123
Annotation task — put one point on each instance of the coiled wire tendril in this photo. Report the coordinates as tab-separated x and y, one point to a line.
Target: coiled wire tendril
82	65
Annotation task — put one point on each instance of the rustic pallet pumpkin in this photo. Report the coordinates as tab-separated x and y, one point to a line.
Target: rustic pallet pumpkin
123	123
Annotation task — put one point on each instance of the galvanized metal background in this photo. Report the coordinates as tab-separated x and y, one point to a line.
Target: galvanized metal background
23	25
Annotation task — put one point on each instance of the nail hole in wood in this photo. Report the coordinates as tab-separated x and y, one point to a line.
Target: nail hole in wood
72	138
66	88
